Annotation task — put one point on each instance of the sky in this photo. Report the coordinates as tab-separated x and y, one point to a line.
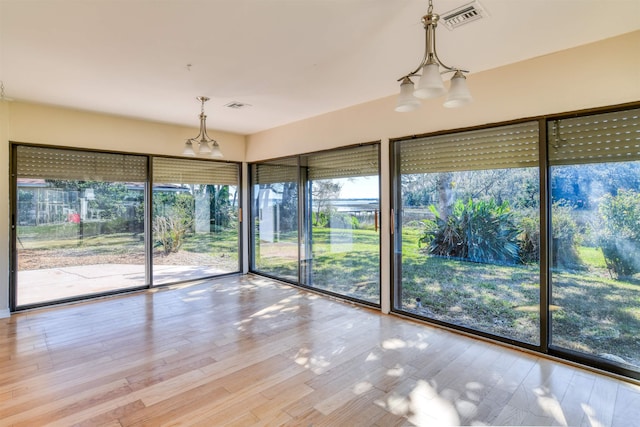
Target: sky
360	188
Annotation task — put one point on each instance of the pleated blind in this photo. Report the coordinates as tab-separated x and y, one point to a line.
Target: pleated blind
510	146
344	163
55	163
608	137
275	171
186	171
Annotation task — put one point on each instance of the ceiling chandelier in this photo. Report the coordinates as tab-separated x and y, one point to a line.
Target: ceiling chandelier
430	84
202	140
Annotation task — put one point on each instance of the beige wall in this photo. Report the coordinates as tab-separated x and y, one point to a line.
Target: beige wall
43	124
599	74
594	75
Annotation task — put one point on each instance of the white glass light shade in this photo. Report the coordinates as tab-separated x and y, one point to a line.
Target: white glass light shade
215	150
406	101
188	149
204	148
459	94
430	84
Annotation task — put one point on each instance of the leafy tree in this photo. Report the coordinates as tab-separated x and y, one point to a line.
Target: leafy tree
418	189
287	204
323	190
221	209
518	186
578	185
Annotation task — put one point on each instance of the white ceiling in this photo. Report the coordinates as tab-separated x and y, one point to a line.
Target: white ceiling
288	59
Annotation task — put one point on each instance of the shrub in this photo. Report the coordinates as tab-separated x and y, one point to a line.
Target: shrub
341	220
620	232
529	239
320	219
169	232
481	231
566	238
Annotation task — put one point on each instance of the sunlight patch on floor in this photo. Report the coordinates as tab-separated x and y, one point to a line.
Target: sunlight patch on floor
393	344
427	407
362	387
550	405
591	415
372	357
397	371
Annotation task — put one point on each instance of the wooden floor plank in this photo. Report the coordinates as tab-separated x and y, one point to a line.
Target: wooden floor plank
247	350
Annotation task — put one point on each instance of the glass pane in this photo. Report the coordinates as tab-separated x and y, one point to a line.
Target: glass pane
470	250
595	259
275	220
78	238
343	250
195	223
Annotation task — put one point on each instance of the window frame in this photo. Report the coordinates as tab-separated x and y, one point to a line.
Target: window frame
544	346
396	240
13	212
303	224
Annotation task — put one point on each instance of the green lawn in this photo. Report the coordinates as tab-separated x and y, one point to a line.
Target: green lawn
61	245
345	262
590	312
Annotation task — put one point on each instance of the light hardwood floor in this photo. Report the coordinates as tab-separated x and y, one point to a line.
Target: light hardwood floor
250	351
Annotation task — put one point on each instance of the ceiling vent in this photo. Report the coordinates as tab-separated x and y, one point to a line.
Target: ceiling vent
463	15
237	105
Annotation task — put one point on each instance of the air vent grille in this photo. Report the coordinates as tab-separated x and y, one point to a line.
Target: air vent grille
463	15
237	105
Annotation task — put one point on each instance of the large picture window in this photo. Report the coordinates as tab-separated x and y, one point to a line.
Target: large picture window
595	276
468	230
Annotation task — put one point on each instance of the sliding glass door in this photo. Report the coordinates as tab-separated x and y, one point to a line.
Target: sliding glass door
341	239
274	214
315	221
86	223
79	224
468	230
195	221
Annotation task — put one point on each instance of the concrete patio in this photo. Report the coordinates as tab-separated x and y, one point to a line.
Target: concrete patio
38	286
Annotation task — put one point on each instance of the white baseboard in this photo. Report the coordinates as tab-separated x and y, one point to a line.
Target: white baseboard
5	313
